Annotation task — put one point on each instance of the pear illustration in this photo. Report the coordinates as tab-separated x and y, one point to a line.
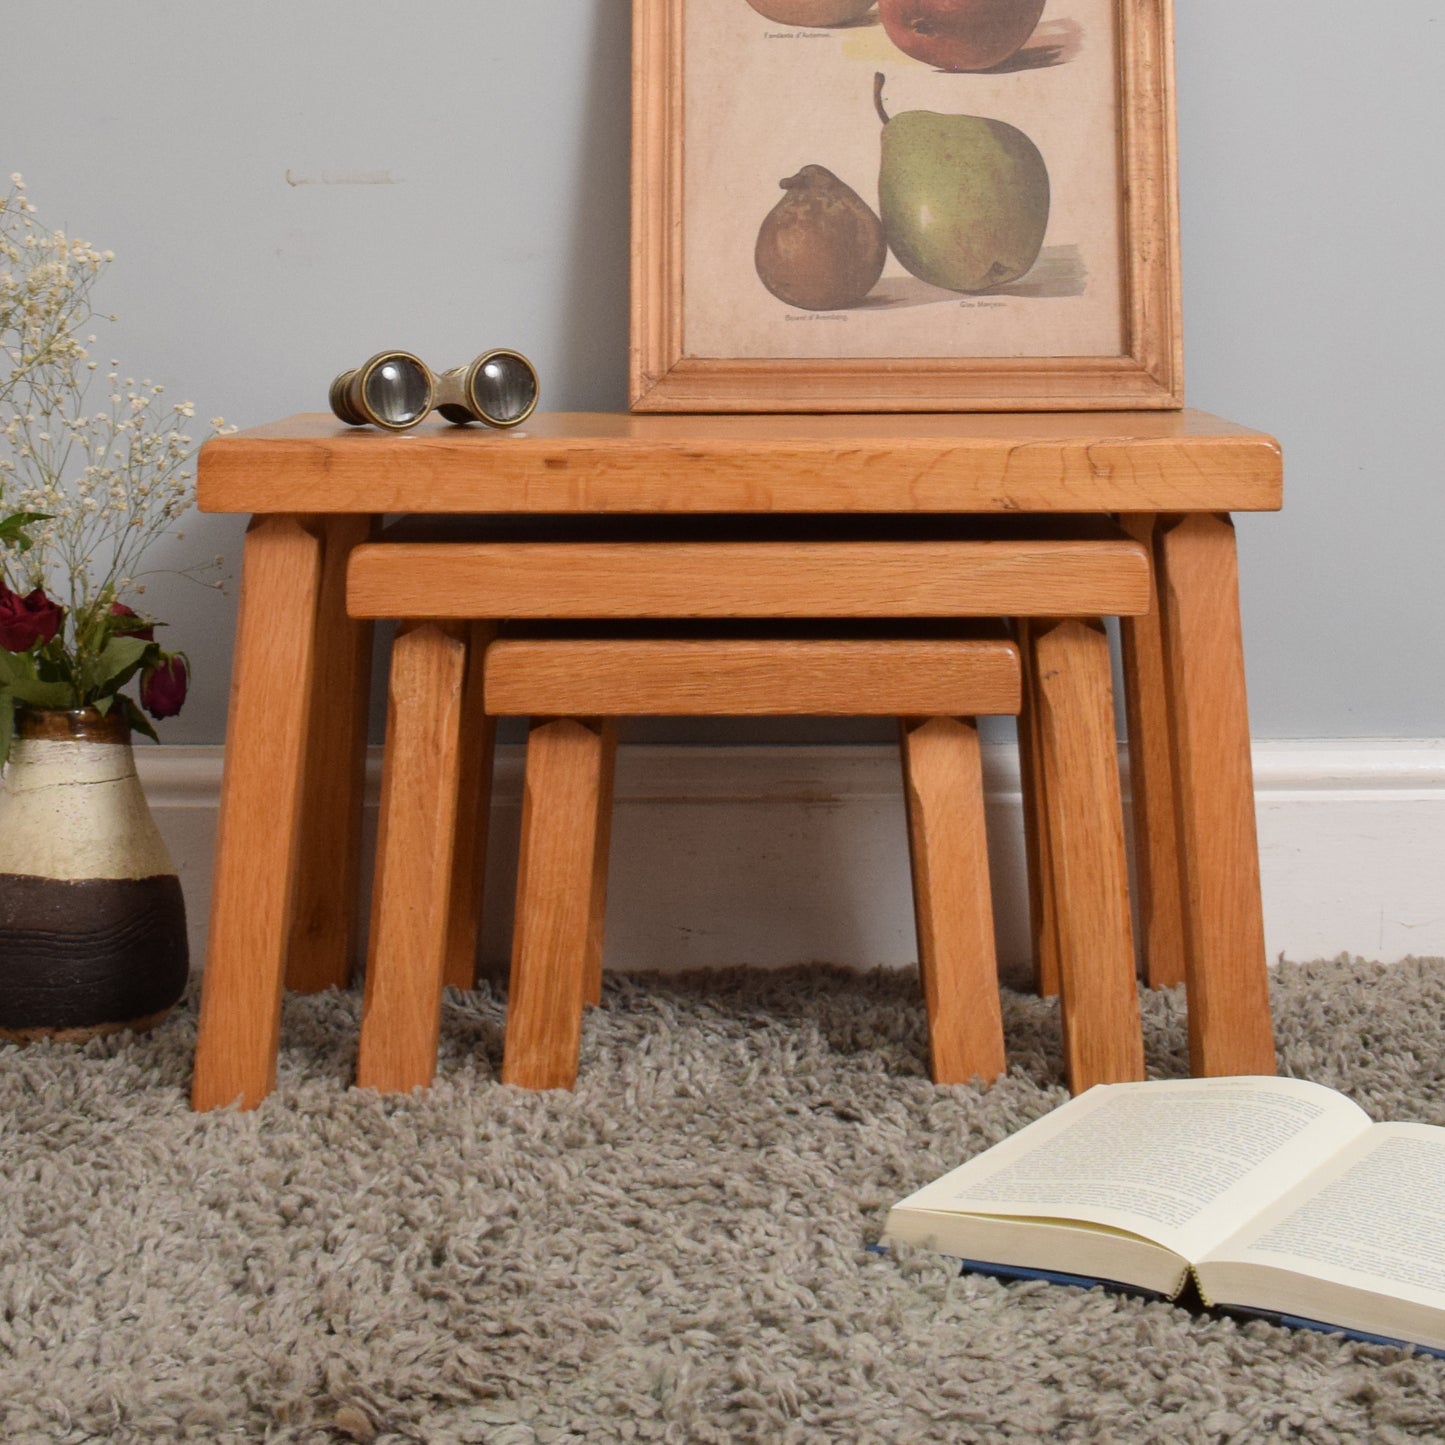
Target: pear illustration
964	199
821	247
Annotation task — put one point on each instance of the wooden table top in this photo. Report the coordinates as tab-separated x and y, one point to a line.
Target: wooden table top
614	462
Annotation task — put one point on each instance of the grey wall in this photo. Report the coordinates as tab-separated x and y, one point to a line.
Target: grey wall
292	186
1311	133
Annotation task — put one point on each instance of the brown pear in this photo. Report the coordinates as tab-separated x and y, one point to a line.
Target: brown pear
821	247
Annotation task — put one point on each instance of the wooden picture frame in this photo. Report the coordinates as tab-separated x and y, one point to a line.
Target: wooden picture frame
675	365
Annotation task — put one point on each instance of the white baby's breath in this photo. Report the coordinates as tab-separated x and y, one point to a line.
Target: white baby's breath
110	481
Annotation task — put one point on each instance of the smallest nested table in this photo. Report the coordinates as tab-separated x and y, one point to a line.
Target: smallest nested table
289	843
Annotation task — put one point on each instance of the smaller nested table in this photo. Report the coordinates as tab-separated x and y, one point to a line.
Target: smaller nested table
288	854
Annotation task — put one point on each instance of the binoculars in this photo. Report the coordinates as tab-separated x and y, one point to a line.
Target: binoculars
396	390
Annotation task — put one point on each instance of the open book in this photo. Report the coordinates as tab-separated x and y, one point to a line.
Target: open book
1279	1196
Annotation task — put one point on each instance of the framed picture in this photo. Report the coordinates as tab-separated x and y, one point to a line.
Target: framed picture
904	205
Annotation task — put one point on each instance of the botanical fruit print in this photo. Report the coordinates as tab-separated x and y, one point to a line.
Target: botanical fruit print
914	177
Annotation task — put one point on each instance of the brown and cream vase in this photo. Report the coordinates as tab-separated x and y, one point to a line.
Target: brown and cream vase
92	922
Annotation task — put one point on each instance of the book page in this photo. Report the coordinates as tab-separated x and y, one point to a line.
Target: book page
1372	1218
1183	1162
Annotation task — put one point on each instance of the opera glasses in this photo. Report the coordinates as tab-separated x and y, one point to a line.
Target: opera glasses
395	390
499	388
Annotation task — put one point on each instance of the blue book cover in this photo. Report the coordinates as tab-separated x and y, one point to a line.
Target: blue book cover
1190	1297
1055	1276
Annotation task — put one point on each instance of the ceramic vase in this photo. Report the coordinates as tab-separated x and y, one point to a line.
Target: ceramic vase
92	922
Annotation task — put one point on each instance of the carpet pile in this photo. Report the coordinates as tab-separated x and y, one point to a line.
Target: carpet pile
675	1252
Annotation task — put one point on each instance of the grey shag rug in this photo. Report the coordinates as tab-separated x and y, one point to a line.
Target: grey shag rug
676	1252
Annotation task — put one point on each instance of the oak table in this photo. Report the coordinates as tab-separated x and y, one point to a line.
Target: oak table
288	849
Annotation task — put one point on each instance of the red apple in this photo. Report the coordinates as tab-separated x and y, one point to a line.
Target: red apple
808	13
960	34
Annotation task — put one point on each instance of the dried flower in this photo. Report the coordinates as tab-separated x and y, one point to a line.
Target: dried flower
163	685
128	623
84	491
25	621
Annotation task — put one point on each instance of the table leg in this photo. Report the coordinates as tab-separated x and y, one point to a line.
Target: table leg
1042	929
474	814
952	905
1227	983
597	917
261	791
322	948
411	893
1099	999
556	894
1151	784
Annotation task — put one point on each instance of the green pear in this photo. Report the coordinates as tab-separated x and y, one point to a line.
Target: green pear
964	199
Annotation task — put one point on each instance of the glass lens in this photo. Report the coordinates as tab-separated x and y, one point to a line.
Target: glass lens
504	388
397	391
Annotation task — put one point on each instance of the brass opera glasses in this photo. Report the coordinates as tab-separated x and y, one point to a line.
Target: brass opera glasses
395	390
498	388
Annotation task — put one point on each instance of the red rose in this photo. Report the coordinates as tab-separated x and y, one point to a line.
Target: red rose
24	621
146	633
163	687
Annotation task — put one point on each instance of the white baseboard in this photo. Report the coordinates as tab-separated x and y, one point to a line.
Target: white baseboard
778	855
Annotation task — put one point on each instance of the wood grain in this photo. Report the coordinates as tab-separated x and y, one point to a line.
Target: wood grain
668	677
584	462
744	579
323	947
1103	1039
1158	880
618	676
602	848
585	465
1150	193
953	909
555	878
1032	782
1226	978
410	915
474	812
261	792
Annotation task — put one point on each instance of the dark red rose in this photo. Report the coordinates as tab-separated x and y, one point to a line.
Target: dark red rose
163	687
146	633
24	621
